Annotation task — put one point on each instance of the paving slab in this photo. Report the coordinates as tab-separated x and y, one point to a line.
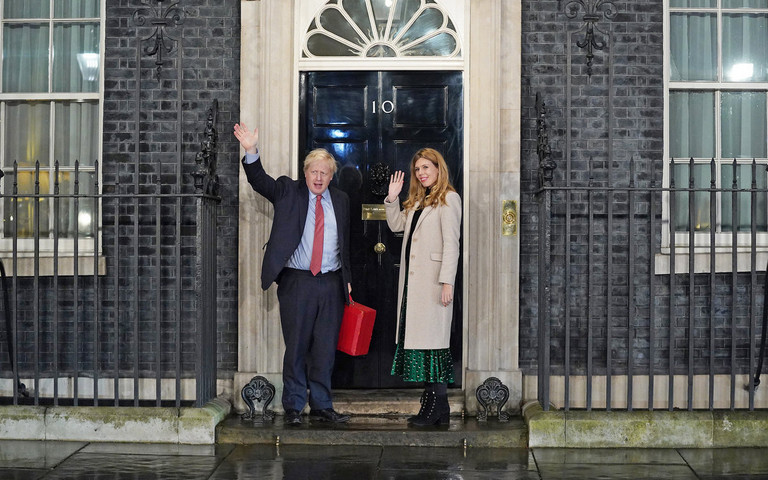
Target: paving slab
615	472
453	459
605	456
149	467
727	462
220	451
300	462
36	454
22	474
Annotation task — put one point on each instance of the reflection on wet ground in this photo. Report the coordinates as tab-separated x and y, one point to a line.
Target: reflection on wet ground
78	460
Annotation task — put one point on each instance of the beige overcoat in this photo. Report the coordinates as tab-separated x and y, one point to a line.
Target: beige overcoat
434	260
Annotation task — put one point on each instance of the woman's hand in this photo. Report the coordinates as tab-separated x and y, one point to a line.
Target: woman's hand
395	186
446	296
248	139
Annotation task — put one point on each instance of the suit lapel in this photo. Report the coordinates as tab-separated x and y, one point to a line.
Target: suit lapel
303	204
338	214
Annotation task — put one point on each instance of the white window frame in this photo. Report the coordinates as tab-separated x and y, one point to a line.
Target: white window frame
25	252
723	240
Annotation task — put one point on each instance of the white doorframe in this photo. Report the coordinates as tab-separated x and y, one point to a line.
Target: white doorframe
271	43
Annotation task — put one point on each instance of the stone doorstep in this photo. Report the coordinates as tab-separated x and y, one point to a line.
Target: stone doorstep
388	401
378	418
379	430
645	429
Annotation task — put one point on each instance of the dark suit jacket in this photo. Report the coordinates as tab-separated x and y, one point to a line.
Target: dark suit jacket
291	200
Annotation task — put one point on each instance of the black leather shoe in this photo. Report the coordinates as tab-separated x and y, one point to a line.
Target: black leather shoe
292	417
328	415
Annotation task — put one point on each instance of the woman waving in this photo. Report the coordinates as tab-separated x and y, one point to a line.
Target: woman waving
431	221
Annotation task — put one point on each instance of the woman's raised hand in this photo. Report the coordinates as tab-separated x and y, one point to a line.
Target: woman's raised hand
248	140
395	185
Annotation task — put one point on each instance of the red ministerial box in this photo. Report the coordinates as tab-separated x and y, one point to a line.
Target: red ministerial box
356	329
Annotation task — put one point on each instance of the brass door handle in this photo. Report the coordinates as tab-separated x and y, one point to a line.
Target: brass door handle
379	248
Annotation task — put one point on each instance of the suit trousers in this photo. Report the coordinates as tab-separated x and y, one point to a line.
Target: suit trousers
311	310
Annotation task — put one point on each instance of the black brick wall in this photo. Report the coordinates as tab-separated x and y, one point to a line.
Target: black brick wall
209	39
143	157
616	115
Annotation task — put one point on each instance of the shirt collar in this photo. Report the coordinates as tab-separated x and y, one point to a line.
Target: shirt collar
326	194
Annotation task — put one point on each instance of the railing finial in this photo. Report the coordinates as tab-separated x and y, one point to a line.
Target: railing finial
206	179
546	164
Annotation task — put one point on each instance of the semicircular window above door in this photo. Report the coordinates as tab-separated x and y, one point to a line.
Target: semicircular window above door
381	29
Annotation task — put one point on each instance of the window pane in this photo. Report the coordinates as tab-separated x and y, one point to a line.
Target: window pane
322	45
333	21
76	133
426	23
26	9
743	124
23	208
744	52
692	124
76	57
441	44
743	199
381	51
693	44
404	10
26	133
380	10
701	200
745	3
25	58
76	9
692	3
72	219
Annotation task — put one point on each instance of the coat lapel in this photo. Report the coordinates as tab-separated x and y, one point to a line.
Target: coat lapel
427	211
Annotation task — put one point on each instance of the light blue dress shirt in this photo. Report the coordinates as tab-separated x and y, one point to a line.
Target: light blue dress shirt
302	257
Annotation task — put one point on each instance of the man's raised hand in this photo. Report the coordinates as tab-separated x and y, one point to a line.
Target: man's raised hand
248	140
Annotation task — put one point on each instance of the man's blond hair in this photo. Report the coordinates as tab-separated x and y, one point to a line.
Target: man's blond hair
319	154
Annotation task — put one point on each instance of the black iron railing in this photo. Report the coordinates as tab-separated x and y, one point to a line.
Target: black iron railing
651	295
120	309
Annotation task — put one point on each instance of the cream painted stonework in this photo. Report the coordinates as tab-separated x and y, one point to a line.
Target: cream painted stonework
490	30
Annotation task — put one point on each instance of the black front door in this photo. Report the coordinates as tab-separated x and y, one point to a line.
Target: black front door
373	123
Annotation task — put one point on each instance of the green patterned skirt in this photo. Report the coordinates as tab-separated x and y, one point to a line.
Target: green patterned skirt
433	366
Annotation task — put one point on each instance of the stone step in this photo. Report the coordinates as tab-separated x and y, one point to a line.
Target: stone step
388	401
381	430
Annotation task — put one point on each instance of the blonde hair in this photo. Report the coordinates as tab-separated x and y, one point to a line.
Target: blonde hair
416	191
319	154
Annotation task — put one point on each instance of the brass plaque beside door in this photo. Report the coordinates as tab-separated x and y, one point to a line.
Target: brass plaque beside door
374	211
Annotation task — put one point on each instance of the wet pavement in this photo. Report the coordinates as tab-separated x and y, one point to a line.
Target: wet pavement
79	460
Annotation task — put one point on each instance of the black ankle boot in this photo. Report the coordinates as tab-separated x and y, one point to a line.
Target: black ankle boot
423	402
436	411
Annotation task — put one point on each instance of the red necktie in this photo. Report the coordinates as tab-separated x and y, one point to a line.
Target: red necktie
317	245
